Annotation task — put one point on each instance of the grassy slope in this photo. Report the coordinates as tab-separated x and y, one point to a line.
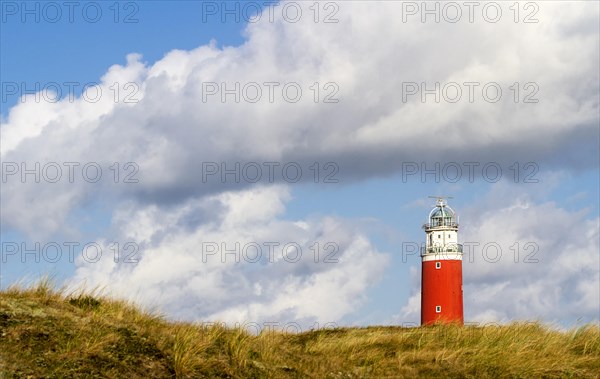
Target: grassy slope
45	333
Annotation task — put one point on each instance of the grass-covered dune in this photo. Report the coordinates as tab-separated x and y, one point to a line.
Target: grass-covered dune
51	334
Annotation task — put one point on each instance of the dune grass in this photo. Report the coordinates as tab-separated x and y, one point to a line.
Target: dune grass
47	332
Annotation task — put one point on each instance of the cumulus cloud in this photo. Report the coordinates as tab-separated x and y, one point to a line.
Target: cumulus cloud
232	258
172	127
169	130
533	261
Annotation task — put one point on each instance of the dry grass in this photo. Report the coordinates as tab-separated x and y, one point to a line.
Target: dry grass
45	332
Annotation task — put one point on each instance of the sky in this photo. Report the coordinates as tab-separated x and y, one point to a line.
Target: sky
272	162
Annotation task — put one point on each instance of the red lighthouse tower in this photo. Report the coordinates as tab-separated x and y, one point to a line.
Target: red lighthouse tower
441	274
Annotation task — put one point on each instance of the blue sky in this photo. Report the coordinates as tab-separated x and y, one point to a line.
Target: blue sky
370	136
92	48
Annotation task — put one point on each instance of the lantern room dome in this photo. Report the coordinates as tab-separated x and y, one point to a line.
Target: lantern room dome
442	212
442	216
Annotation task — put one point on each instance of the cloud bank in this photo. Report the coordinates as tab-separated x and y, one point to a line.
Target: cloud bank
173	126
232	258
368	62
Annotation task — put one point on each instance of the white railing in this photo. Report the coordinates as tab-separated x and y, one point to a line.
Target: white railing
438	225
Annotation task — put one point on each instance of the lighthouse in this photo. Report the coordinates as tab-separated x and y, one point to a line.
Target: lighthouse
441	274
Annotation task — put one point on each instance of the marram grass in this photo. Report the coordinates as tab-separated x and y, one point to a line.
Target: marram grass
45	332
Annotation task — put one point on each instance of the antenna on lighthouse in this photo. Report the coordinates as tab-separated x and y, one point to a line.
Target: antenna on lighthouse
441	200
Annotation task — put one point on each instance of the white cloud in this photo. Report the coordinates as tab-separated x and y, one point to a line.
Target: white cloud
177	272
369	53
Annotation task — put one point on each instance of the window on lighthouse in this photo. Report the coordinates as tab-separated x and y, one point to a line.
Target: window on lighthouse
438	309
438	265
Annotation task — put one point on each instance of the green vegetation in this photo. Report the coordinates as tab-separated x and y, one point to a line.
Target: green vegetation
49	333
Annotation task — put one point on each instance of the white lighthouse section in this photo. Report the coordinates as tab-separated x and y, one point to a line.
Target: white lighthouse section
442	234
